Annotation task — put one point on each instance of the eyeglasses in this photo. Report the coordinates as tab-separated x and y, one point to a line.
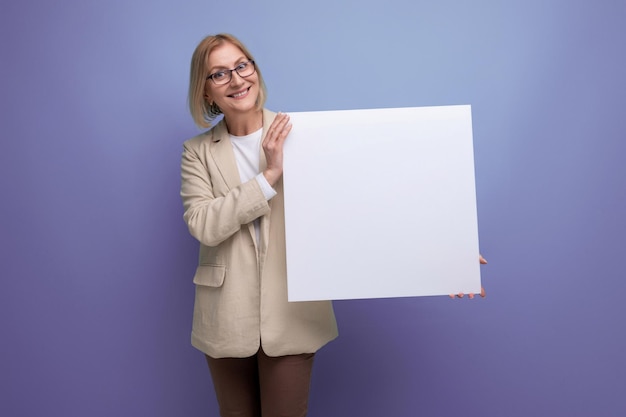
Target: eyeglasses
245	69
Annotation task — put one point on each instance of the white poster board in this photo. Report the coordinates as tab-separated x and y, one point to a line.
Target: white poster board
381	203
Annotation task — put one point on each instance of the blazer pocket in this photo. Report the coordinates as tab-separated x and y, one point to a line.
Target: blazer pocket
210	275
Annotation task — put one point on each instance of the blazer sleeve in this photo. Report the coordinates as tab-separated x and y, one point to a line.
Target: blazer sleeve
213	218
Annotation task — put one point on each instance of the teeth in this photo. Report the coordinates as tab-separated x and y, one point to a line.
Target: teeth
243	93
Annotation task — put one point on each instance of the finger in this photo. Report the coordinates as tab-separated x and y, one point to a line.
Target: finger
285	132
282	127
460	295
482	292
481	259
278	131
280	118
281	136
471	296
277	141
279	122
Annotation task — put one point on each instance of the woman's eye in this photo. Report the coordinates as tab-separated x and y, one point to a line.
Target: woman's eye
218	75
242	66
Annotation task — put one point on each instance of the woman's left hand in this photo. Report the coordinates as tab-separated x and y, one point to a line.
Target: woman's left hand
482	261
273	147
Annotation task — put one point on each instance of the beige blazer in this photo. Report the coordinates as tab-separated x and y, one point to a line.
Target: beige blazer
241	284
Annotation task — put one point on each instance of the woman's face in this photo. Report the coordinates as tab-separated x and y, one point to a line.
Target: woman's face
240	94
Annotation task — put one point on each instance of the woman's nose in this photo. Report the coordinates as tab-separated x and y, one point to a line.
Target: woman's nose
236	79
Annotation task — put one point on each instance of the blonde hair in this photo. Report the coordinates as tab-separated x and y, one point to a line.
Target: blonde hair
202	111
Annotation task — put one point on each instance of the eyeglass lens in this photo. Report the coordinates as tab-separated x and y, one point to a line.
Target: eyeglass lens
245	69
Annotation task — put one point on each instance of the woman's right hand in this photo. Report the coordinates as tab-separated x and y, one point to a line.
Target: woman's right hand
273	147
482	261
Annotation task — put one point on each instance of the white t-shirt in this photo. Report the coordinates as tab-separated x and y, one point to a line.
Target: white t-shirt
247	151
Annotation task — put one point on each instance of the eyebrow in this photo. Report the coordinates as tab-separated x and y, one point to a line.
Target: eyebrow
221	67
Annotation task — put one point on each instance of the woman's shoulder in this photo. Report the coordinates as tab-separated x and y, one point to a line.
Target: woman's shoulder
205	137
268	116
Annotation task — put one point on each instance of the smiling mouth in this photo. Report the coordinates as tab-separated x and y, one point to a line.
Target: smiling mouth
240	94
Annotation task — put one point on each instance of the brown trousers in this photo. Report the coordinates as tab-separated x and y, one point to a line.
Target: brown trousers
262	386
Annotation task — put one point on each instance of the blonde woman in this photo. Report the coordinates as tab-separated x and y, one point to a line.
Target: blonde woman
259	346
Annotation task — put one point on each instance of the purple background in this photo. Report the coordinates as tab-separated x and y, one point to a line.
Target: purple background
96	262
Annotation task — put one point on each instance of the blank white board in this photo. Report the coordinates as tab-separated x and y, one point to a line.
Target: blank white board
381	203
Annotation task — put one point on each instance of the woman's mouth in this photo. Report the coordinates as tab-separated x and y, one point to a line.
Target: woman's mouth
240	94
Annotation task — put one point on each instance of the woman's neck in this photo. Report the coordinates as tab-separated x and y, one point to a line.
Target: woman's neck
244	124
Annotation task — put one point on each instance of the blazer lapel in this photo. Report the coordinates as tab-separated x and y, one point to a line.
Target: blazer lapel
223	155
268	118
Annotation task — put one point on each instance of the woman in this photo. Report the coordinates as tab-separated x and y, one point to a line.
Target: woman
259	347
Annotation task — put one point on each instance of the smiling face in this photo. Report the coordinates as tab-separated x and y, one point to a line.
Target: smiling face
238	97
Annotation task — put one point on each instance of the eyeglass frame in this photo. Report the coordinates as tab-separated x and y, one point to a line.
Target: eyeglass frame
230	72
